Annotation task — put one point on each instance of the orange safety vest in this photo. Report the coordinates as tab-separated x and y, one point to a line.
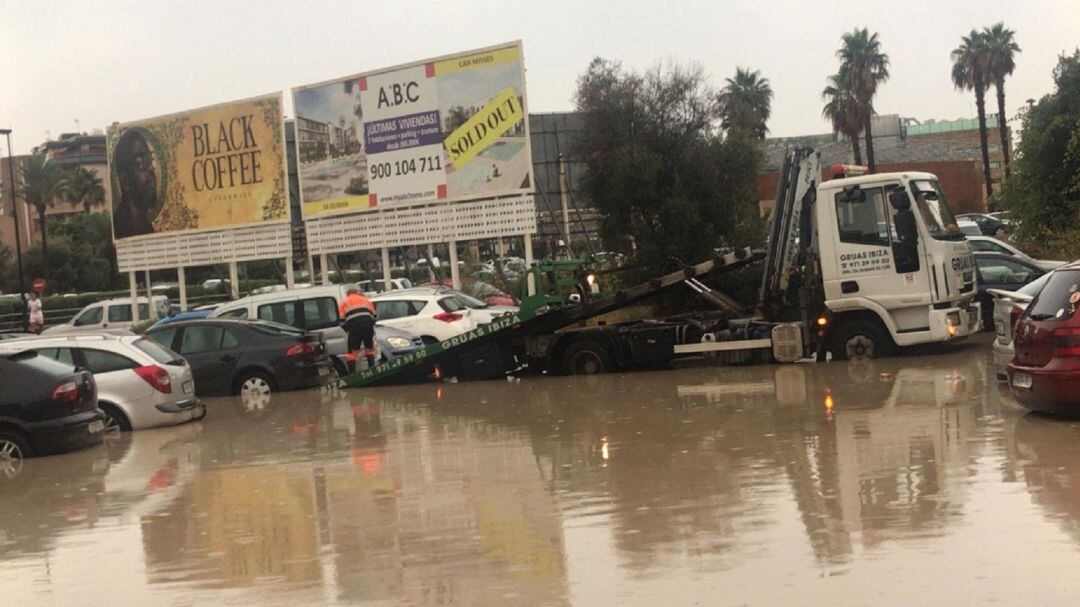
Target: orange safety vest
355	304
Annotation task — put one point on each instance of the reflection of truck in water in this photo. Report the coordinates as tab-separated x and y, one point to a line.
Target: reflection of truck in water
855	266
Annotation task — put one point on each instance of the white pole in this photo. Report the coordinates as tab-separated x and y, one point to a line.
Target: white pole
290	278
531	288
386	275
501	248
431	259
565	204
455	277
324	268
151	312
234	281
311	270
181	281
133	282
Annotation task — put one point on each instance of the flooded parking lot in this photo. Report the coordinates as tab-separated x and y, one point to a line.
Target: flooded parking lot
915	479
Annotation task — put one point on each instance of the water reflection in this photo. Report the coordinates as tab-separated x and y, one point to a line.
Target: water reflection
614	489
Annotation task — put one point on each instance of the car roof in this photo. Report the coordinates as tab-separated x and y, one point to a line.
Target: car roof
286	294
194	322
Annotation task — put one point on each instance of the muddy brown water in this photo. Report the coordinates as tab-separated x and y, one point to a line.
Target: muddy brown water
915	480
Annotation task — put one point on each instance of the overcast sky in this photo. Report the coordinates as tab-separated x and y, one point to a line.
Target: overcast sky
112	60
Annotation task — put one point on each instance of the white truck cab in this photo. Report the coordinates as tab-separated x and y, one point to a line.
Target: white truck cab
892	255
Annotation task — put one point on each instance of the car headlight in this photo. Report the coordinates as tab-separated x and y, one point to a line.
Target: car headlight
398	342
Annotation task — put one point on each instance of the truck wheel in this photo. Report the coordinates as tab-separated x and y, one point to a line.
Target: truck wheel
860	339
586	358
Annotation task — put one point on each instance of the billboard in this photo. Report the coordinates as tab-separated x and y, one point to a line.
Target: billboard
215	167
452	128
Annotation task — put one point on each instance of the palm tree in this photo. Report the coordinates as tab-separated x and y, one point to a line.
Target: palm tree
746	103
43	183
969	73
84	187
865	67
1001	49
842	111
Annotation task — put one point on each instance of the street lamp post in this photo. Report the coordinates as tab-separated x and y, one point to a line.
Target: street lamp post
18	238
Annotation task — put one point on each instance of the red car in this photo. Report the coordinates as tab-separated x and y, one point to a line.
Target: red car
1045	370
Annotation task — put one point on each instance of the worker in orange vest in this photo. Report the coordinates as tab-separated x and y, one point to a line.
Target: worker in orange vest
357	316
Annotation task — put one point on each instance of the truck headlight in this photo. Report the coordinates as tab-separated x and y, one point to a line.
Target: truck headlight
398	342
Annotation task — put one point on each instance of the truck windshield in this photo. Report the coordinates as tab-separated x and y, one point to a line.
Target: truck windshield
935	211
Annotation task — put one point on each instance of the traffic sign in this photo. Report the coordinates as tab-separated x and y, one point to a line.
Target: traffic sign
38	285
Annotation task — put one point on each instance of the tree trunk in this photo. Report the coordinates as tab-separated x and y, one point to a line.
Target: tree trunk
1003	129
44	239
856	149
869	143
980	104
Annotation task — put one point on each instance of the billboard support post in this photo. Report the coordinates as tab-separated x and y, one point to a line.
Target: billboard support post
290	277
234	281
455	278
386	268
133	284
311	269
151	313
324	268
181	280
528	263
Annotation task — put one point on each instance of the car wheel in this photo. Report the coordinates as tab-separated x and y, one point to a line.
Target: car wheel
859	340
115	420
13	450
255	389
586	358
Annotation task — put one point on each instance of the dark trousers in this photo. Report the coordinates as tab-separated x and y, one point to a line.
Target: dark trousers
361	330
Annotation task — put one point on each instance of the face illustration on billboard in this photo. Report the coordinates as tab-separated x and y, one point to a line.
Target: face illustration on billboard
215	167
442	130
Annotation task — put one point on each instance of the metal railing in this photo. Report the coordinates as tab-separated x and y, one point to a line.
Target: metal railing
58	316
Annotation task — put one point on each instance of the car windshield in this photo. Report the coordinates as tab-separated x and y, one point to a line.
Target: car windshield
1055	301
471	302
1032	288
157	351
270	327
935	211
32	359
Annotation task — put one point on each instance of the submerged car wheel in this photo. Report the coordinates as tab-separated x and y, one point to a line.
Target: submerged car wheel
13	450
115	420
860	340
254	390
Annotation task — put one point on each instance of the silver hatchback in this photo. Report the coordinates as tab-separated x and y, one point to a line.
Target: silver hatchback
140	383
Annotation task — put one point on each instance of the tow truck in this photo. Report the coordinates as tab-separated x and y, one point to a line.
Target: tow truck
854	267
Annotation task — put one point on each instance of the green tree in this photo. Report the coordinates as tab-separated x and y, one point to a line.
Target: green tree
43	183
746	103
658	167
1001	49
864	67
969	72
85	188
1044	190
842	111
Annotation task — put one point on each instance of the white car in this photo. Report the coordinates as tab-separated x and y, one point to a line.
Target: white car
374	287
1008	305
483	312
989	244
968	227
140	383
109	316
431	316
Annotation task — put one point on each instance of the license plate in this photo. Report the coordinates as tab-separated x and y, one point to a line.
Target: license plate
189	387
1021	380
96	427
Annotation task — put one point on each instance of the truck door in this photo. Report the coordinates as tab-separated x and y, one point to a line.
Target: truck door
865	265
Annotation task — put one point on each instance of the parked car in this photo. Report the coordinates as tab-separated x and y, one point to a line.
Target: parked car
45	407
189	315
968	227
1045	371
433	317
989	225
140	384
483	291
1002	272
316	309
1008	305
6	335
481	311
110	315
217	284
989	244
247	357
372	287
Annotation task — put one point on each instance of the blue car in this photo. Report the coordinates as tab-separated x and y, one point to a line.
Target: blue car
189	315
